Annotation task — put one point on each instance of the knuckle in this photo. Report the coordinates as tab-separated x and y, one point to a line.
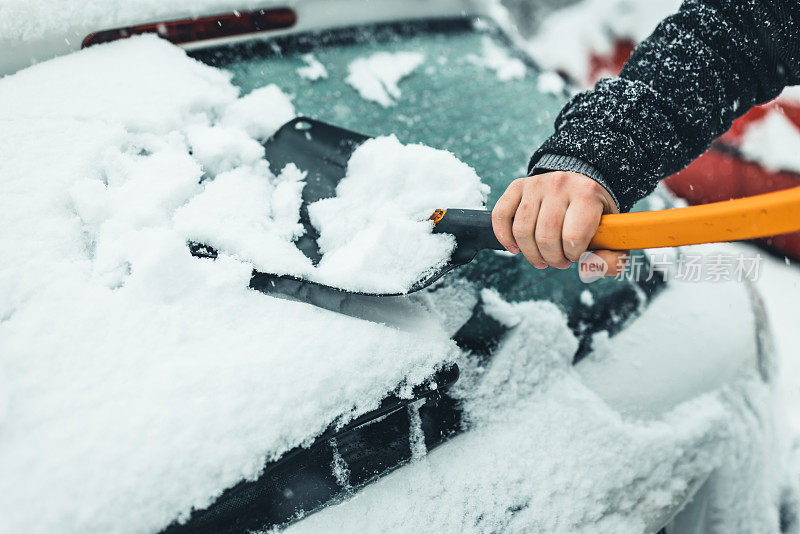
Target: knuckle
546	239
547	230
531	187
575	237
525	208
591	191
520	230
558	180
588	185
500	214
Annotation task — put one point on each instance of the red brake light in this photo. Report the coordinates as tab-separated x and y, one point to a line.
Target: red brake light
199	29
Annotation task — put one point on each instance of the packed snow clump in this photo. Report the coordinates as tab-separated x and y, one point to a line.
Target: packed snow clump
251	214
497	58
376	229
259	113
137	381
312	70
376	77
220	148
774	142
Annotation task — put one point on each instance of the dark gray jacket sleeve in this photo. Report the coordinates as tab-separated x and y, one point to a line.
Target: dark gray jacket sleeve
683	86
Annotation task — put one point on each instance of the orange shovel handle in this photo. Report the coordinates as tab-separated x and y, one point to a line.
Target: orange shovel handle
745	218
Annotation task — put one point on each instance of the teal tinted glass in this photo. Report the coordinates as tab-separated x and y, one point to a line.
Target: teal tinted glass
451	102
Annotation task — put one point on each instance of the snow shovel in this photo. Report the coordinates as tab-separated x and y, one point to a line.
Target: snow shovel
323	150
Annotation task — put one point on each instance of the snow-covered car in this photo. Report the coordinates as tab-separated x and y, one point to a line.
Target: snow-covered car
503	399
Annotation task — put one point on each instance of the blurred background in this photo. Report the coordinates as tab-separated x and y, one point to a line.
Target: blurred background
586	40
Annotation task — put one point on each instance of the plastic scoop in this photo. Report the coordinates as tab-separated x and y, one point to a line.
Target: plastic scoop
323	151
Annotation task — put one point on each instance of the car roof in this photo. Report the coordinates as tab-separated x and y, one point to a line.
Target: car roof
34	35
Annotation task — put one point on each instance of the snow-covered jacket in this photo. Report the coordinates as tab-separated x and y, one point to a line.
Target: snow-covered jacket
683	86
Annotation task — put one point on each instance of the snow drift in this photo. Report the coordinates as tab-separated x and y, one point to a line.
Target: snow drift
138	381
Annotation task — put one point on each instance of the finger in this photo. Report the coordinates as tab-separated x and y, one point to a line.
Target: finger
503	216
524	227
548	232
580	224
615	259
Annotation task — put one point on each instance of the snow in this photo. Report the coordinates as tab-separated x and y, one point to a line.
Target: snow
774	142
791	94
586	298
545	453
219	148
593	26
551	82
382	231
376	77
31	19
259	113
670	334
498	309
137	381
312	70
234	213
105	320
373	238
495	57
779	287
566	38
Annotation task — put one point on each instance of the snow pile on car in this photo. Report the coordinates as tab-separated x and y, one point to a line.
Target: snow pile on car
375	235
26	20
137	381
375	231
592	27
545	453
376	77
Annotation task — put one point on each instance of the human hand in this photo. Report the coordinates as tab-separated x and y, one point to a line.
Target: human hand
552	217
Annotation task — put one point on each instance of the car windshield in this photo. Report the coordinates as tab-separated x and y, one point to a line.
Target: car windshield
456	100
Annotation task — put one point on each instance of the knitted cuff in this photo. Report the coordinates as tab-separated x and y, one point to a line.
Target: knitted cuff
556	162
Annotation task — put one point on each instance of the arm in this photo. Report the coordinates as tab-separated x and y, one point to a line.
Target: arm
683	86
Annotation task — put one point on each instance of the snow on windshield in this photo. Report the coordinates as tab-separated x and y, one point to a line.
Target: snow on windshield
497	58
138	381
312	70
376	77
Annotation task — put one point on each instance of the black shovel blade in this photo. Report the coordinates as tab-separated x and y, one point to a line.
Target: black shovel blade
322	151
